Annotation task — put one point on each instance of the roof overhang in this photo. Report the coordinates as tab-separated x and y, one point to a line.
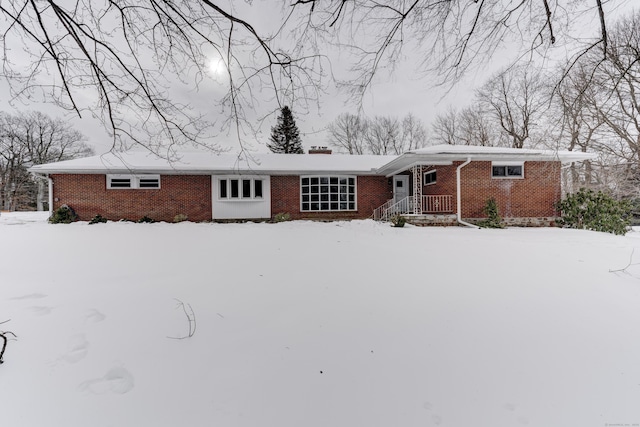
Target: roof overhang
207	164
446	155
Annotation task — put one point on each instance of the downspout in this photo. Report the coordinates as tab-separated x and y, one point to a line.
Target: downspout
458	196
50	194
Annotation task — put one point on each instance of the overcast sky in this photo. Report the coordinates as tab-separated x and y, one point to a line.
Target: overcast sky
405	91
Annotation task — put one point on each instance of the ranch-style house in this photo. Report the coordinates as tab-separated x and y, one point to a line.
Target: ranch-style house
435	185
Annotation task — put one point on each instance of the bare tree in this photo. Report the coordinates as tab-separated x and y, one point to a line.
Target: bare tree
453	35
444	129
517	98
476	127
413	134
130	54
30	139
381	135
470	126
346	133
618	84
575	121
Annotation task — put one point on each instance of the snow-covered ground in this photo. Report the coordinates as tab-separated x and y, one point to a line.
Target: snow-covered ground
317	324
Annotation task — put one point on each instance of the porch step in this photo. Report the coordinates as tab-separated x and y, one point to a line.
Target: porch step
432	220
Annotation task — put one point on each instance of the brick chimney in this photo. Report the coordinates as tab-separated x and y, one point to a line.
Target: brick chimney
316	149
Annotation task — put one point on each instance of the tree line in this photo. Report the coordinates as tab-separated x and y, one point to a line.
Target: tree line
29	139
588	104
122	60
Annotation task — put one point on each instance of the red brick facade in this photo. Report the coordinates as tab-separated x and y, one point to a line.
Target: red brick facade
371	191
178	194
531	197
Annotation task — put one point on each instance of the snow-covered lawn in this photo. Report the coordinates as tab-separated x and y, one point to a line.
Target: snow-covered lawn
306	324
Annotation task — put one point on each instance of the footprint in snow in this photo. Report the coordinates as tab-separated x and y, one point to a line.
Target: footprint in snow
117	380
30	296
509	406
40	310
77	349
94	316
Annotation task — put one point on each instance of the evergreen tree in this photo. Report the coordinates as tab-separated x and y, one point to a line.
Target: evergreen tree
285	136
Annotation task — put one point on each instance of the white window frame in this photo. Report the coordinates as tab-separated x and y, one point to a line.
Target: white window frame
304	203
424	178
506	165
134	181
241	196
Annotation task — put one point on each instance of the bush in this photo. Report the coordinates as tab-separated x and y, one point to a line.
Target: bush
282	217
63	215
589	210
493	219
398	221
97	219
146	219
180	218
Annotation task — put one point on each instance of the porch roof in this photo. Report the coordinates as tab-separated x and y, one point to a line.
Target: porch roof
447	154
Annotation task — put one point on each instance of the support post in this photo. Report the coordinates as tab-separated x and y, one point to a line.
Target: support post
417	189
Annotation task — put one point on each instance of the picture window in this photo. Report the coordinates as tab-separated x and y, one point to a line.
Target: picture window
328	193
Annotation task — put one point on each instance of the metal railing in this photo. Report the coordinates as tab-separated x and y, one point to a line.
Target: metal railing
441	203
433	204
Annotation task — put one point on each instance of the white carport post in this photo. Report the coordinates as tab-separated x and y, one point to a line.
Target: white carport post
417	189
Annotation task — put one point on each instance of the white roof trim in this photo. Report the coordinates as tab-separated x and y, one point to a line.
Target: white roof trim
207	163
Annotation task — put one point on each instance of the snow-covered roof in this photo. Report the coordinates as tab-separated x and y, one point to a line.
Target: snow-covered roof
475	150
201	162
204	162
446	154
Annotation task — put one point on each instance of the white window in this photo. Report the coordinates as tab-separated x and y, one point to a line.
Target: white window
240	188
507	170
328	193
429	177
133	181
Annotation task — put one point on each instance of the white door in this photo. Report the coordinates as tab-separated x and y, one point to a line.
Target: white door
400	187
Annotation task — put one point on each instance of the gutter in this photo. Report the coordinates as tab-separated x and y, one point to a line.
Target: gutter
458	196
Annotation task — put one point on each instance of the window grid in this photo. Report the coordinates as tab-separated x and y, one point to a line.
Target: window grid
327	193
240	188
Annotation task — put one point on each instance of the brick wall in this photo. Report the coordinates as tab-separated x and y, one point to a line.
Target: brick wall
372	191
178	194
531	197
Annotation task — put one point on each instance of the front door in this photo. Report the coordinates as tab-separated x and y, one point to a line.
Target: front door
400	187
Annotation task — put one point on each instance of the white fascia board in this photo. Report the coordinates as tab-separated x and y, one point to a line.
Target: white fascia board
234	171
507	162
